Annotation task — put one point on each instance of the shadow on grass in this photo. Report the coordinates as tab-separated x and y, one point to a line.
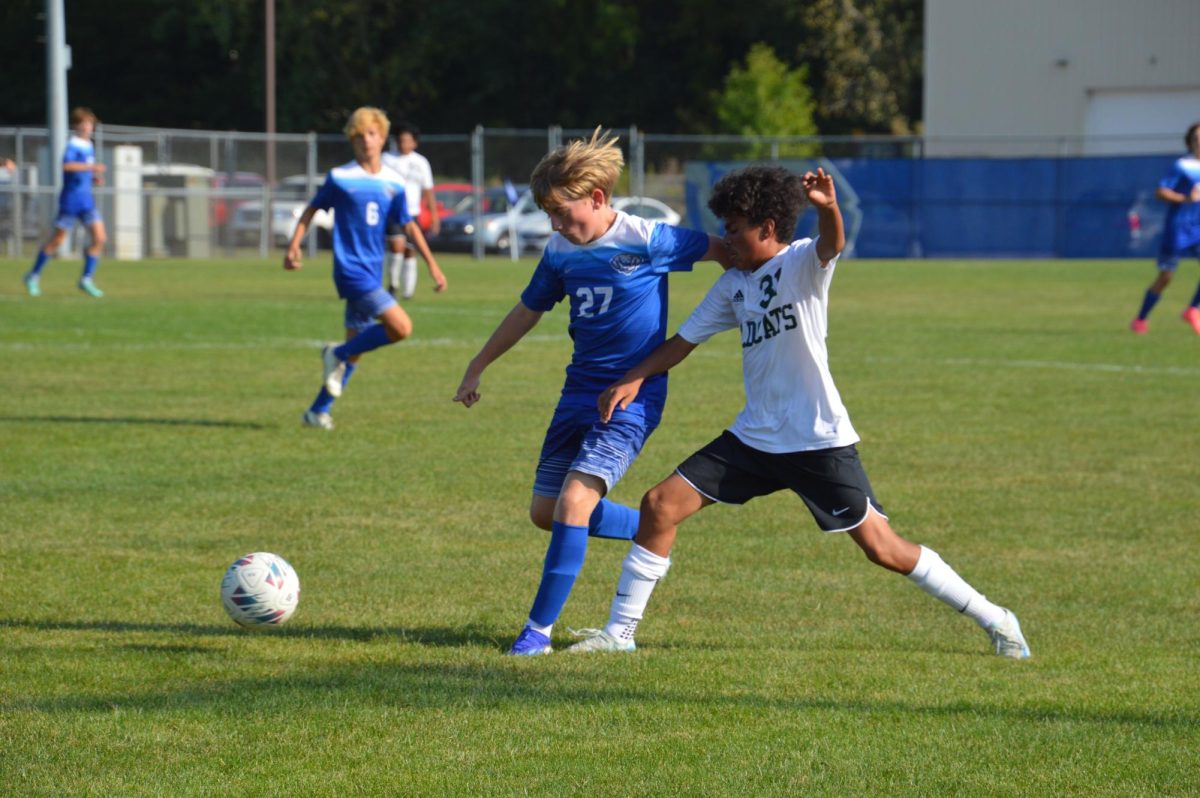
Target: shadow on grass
164	422
457	637
503	683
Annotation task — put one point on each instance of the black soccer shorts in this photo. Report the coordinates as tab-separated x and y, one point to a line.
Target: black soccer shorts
831	482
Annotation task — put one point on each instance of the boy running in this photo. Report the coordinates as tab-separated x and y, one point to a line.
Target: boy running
613	268
418	186
1181	231
76	203
794	431
366	197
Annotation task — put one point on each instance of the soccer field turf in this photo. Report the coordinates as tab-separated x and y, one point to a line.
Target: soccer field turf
1009	420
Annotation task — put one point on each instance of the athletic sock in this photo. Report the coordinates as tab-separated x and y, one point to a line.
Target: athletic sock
564	560
325	400
1148	304
39	263
614	521
394	261
939	580
1196	298
368	340
639	574
408	282
89	266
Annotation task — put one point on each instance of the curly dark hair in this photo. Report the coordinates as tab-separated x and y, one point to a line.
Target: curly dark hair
758	193
1189	138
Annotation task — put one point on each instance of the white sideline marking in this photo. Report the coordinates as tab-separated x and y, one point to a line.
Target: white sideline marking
260	343
1111	368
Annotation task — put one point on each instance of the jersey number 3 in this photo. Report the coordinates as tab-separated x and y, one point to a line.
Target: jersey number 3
588	297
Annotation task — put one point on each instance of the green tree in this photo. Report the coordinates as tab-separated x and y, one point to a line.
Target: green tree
767	98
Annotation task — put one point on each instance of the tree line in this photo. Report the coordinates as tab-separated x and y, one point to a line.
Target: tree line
670	66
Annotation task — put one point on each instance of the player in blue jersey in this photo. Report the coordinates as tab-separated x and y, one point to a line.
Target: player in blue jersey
613	269
366	197
794	432
1181	231
76	203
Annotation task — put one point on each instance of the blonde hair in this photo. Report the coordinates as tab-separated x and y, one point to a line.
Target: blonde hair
365	116
575	170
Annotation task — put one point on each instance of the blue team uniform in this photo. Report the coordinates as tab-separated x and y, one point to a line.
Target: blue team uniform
363	206
1181	229
617	286
76	200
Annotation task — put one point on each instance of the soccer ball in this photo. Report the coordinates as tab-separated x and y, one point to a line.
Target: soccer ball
260	589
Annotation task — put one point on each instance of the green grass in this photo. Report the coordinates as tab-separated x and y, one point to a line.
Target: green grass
1009	420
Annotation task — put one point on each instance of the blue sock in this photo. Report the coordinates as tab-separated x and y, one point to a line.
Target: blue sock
1148	304
564	560
1196	298
612	520
89	266
369	339
39	263
324	399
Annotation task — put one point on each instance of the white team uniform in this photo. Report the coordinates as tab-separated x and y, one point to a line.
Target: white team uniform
414	168
781	309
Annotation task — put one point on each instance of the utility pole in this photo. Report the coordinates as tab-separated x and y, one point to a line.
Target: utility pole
58	61
269	60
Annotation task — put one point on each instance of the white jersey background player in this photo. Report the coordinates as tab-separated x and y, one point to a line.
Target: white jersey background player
417	174
794	432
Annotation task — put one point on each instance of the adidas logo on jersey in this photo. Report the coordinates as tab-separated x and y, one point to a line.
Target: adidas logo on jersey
739	296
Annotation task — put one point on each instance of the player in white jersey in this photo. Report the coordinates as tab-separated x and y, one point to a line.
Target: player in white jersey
794	431
418	187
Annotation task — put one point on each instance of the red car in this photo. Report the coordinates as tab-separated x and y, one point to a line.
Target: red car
450	197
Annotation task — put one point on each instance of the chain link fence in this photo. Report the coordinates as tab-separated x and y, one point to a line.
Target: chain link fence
205	194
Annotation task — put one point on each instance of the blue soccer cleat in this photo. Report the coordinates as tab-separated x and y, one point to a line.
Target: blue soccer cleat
530	643
88	287
32	285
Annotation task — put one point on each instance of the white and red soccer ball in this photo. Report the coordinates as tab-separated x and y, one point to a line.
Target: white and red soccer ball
260	589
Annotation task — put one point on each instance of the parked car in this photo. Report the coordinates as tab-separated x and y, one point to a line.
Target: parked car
246	226
535	230
496	223
223	206
451	199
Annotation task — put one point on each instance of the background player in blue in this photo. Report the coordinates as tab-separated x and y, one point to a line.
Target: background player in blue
1181	230
75	202
613	268
365	197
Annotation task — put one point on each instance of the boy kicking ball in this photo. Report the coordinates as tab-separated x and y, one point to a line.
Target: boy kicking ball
794	432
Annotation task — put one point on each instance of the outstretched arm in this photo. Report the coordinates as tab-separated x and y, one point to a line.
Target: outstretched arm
831	239
519	321
418	238
718	251
668	355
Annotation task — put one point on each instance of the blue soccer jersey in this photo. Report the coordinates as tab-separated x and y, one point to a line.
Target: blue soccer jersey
76	196
363	205
618	295
1181	230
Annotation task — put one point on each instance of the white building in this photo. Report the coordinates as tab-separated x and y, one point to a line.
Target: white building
1060	77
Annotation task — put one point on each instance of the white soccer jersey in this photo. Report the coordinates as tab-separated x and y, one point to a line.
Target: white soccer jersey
417	174
781	309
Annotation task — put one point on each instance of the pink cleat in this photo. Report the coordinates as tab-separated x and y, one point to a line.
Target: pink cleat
1192	316
1139	326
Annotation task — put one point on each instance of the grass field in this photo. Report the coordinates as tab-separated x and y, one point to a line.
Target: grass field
1009	420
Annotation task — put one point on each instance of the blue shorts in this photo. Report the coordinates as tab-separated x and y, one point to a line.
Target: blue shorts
578	441
363	310
87	216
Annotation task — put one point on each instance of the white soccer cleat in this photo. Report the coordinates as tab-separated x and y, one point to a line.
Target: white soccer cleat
334	370
598	640
1007	638
318	420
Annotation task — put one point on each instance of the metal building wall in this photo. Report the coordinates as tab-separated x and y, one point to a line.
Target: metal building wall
1023	71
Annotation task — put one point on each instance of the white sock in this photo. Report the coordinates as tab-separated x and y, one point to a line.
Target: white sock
537	627
409	281
394	261
639	574
939	580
